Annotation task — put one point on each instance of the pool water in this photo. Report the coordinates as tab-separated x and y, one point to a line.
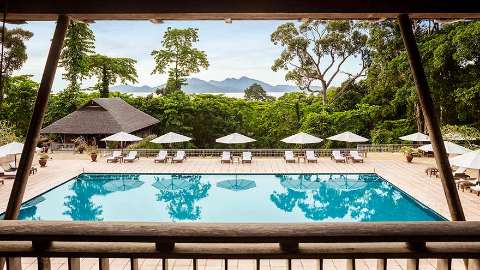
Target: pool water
227	198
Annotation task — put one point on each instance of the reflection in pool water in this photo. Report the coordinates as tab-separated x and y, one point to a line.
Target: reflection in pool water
227	198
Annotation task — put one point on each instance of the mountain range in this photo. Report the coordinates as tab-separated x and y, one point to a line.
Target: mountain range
197	86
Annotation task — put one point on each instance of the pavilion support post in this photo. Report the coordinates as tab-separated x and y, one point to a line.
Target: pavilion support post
23	171
426	102
431	121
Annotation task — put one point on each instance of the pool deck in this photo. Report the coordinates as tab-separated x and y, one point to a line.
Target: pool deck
410	177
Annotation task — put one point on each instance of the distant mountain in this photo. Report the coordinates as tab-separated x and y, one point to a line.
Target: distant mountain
195	85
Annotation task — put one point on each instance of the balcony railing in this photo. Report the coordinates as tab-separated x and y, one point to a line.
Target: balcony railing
73	240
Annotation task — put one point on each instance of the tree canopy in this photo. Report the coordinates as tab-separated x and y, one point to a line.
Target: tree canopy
179	57
109	70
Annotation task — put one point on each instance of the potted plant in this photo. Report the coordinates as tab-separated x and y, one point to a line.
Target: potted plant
93	153
43	160
408	151
80	144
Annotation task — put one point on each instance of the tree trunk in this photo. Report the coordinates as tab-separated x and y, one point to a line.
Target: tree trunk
419	117
104	93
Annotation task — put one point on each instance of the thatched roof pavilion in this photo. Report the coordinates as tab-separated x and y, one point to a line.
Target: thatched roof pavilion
102	116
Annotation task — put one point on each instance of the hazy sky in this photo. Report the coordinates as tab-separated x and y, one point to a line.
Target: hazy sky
242	48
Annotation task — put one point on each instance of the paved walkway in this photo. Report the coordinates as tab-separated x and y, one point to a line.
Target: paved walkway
409	177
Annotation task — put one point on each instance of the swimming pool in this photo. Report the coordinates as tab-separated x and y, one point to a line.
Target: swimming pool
227	198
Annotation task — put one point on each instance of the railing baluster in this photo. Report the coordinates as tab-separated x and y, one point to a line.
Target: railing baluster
225	263
350	264
103	264
319	264
444	264
165	264
382	264
73	263
134	264
413	264
289	264
43	263
14	263
195	264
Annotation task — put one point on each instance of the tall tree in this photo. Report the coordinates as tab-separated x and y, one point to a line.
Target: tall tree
179	57
14	54
109	70
317	51
256	92
79	44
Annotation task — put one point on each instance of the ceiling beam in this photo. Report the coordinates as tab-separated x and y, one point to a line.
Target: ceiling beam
239	9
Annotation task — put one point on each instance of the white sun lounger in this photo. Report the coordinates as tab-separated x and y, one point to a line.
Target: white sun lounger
289	158
179	157
356	157
115	156
310	155
226	157
132	155
337	156
161	156
247	157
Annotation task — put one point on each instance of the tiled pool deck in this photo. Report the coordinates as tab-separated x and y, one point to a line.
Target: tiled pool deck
409	177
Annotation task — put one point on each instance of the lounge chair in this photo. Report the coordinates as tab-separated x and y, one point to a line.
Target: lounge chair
12	166
132	155
289	158
226	157
161	156
356	156
465	184
310	155
247	157
337	156
115	156
179	157
475	189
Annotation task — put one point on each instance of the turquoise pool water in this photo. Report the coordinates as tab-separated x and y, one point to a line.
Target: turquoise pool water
227	198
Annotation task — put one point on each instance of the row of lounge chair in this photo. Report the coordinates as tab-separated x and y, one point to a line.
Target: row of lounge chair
336	155
228	158
246	157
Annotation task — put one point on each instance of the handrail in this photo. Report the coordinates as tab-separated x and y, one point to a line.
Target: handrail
148	232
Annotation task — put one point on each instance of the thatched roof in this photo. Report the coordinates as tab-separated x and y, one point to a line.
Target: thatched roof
102	116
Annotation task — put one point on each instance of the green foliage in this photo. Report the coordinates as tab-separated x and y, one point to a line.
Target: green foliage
7	133
14	54
79	44
109	70
179	57
145	144
19	102
390	130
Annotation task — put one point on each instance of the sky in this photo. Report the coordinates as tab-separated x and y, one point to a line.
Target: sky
240	48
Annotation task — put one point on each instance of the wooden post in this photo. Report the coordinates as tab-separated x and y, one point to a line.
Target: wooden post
431	119
319	264
134	264
73	263
350	264
382	264
104	264
16	264
23	171
43	263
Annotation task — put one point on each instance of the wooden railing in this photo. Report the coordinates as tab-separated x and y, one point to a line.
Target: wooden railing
73	240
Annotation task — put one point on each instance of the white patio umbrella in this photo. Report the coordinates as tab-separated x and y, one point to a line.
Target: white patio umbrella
349	137
416	137
234	138
13	148
302	138
470	160
171	137
450	147
122	137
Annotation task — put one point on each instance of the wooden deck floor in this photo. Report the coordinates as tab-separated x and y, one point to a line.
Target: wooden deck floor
409	177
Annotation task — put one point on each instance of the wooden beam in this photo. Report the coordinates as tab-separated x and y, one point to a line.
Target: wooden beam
249	251
23	171
239	9
431	120
159	232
